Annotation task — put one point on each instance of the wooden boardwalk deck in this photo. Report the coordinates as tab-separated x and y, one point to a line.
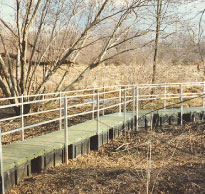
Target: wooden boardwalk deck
20	159
21	152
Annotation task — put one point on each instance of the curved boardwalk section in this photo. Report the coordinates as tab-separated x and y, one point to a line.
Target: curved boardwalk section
29	156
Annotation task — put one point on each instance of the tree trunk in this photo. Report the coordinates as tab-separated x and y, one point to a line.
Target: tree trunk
158	26
26	109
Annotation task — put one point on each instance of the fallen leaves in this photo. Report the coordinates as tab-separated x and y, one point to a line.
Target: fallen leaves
120	166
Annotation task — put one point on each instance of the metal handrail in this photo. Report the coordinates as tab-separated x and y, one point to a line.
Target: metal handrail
123	98
98	88
93	100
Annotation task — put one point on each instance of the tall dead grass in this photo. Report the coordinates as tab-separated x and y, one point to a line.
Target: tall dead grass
117	74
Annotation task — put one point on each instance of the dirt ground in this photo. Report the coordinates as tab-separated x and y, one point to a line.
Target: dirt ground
168	160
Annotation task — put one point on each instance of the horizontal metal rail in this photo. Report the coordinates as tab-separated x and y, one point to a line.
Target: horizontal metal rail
89	97
30	126
79	105
42	112
10	118
106	87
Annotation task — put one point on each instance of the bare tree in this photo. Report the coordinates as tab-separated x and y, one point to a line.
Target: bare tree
200	35
52	34
157	33
164	17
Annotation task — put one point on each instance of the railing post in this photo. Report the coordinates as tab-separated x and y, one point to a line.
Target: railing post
98	113
2	167
120	99
43	97
66	129
165	96
137	108
103	101
203	94
133	104
22	117
133	101
60	111
125	108
181	99
93	103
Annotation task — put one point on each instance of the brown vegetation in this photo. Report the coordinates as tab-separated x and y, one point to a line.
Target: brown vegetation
113	74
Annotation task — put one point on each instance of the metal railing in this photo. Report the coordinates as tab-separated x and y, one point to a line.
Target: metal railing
97	98
92	103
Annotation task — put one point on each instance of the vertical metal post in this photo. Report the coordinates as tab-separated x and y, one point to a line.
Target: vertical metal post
60	111
181	99
2	167
137	108
22	118
165	96
203	94
43	97
103	101
125	108
93	103
66	129
133	105
120	99
133	101
98	113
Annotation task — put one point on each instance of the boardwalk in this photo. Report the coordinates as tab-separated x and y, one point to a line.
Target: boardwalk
33	155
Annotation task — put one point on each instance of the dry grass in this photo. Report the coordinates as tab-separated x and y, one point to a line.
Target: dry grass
177	166
113	74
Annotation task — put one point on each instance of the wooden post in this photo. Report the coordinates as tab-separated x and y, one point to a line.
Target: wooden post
22	118
2	167
181	99
93	104
66	129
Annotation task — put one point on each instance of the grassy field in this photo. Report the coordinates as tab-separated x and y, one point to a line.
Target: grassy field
168	160
113	74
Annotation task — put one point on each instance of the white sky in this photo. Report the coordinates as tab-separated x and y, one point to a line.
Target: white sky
192	9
